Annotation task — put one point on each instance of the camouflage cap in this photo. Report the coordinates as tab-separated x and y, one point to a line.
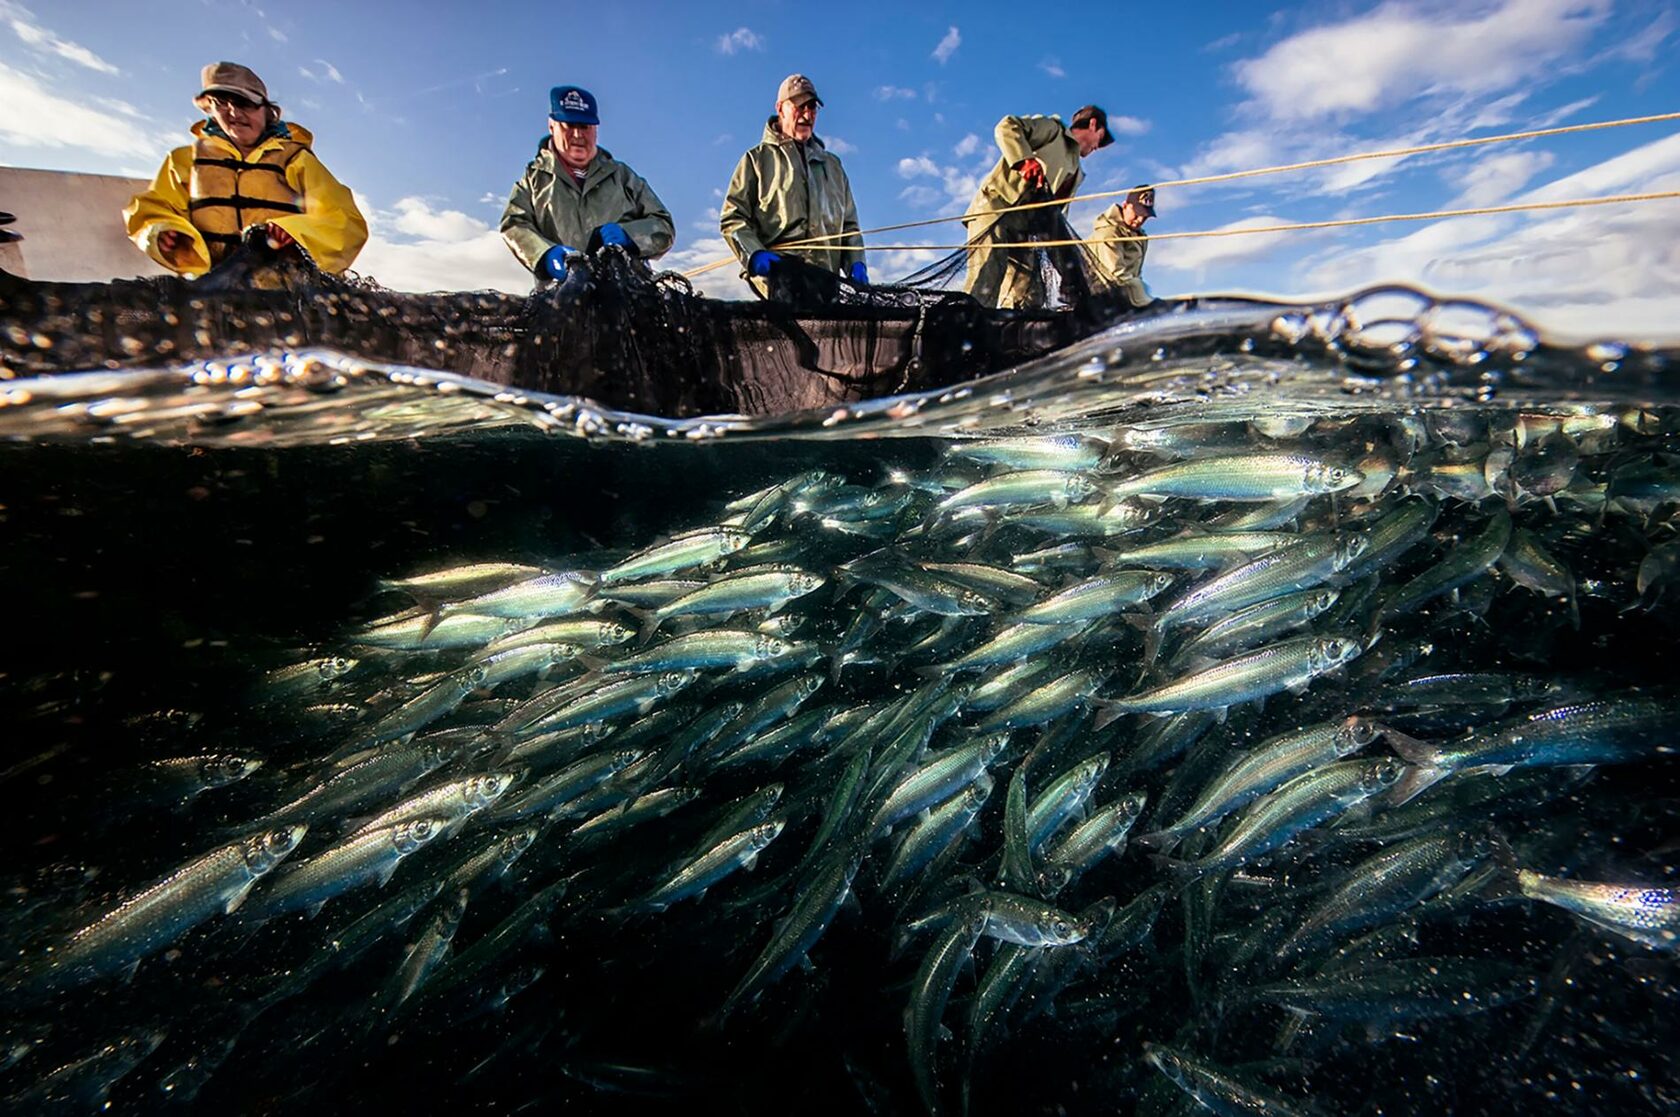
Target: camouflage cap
1142	196
798	89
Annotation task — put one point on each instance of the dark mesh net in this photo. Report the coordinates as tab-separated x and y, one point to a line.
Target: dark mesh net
613	331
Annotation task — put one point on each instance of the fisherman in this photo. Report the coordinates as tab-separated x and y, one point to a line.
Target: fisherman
246	168
1121	244
1040	163
575	197
791	188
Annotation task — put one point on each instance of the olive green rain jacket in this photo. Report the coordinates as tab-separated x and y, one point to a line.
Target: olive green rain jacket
1008	278
548	207
1121	264
783	192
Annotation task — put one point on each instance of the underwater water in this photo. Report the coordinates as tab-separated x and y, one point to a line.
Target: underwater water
1172	722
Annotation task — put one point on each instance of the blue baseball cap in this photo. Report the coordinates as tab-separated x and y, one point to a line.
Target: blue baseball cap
570	104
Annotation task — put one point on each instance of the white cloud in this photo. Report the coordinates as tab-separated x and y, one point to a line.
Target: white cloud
1402	51
742	38
894	93
1127	125
721	282
967	146
947	46
329	71
956	184
34	116
839	146
1053	67
920	165
40	39
415	247
1197	257
275	33
1496	177
1594	271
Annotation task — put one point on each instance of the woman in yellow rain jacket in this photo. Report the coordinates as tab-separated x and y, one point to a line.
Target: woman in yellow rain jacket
246	167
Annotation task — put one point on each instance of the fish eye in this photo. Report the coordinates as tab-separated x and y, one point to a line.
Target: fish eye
1061	929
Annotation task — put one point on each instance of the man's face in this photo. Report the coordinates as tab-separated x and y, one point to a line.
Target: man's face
243	120
575	143
797	121
1132	215
1089	136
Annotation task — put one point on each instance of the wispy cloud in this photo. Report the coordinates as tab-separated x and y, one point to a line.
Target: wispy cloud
1591	272
1403	50
43	41
34	115
1495	178
416	246
1053	67
839	146
920	165
742	38
894	93
719	283
967	146
1128	125
947	46
327	72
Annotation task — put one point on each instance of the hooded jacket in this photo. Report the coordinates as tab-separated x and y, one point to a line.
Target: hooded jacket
213	193
1044	138
785	191
1121	263
549	207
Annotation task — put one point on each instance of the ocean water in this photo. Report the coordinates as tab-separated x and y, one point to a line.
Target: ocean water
174	537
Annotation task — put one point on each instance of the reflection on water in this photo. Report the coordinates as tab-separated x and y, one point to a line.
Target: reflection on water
1275	712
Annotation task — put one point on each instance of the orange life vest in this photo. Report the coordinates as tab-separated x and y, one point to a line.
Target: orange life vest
230	194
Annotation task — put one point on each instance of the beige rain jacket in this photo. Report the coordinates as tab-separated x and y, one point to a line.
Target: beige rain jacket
1044	138
1121	263
780	192
547	207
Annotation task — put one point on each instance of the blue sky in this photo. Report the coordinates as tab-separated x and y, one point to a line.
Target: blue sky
430	111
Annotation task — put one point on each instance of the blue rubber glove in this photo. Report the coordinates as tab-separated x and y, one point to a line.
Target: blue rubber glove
615	234
760	262
859	273
553	262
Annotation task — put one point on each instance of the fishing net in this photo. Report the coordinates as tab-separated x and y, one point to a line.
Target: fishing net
614	331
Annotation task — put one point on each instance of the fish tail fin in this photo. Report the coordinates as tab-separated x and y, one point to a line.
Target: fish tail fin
1161	841
1413	750
1104	713
1181	872
1416	779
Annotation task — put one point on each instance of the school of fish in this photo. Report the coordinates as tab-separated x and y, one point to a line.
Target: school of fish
1039	717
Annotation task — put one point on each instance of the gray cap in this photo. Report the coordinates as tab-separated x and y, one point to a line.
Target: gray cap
798	89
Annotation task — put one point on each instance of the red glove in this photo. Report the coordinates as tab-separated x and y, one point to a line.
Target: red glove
279	238
1033	171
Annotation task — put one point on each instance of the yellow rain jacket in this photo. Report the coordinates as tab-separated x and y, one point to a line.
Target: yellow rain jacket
547	207
212	193
1121	264
782	193
1009	277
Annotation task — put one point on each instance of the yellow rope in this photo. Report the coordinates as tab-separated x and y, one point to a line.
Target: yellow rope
1516	207
1333	161
1394	153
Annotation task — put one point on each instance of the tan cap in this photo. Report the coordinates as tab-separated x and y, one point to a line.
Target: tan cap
798	89
231	77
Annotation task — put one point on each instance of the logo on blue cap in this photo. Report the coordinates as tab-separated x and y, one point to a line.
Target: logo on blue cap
572	105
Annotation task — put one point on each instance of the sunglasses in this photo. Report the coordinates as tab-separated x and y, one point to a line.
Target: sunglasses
229	101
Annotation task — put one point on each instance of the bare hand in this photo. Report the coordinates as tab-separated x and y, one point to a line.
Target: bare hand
279	238
172	242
